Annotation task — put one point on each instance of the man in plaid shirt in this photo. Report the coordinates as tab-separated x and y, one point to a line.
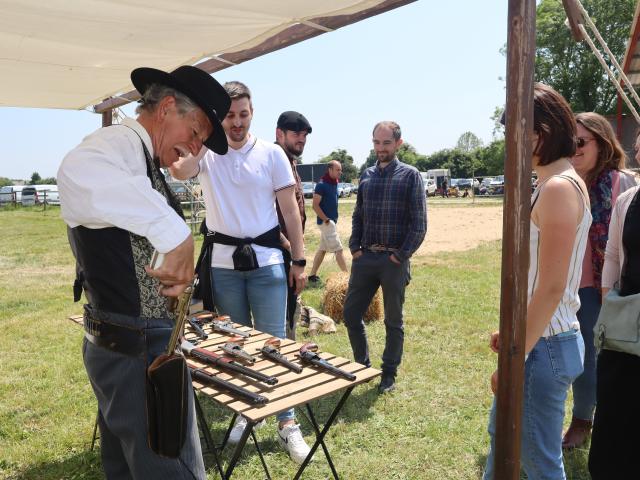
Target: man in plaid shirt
389	224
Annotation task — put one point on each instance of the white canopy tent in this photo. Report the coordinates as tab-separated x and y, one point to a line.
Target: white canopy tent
74	53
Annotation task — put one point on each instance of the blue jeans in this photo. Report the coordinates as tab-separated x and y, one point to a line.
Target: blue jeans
584	387
551	367
259	293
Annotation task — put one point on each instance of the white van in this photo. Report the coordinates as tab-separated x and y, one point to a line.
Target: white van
48	194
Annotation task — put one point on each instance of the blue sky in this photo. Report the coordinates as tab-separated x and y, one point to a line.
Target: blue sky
433	67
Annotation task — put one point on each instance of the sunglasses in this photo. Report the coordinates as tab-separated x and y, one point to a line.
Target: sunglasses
581	142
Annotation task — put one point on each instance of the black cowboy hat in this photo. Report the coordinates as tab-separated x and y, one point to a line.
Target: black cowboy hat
200	87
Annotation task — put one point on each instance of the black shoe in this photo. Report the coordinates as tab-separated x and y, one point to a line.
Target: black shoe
387	384
314	279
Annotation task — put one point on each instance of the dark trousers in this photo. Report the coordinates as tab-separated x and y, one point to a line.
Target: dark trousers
118	382
368	272
614	442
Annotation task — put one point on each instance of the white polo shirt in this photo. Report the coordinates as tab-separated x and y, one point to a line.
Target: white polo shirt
240	195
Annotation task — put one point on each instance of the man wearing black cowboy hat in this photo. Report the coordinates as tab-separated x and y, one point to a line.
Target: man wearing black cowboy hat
292	129
119	209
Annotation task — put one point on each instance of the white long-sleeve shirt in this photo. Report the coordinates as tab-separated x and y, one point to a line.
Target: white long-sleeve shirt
103	183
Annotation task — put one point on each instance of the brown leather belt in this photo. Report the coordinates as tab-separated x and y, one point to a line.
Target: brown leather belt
380	248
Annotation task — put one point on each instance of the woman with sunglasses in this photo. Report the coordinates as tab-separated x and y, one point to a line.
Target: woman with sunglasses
615	443
599	160
560	220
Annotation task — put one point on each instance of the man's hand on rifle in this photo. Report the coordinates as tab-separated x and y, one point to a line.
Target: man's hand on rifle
176	271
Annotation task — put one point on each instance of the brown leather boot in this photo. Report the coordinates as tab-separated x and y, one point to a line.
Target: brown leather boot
577	433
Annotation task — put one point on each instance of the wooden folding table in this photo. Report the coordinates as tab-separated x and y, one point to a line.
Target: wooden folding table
292	390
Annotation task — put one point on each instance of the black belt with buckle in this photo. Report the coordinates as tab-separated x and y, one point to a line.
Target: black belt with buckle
380	248
128	341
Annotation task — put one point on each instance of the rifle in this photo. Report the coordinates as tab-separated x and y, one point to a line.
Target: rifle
234	349
271	350
308	355
211	380
168	388
223	363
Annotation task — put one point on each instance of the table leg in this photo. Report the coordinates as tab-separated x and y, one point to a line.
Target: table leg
239	447
207	433
321	434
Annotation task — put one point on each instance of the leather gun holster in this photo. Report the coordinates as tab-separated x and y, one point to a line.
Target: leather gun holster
167	404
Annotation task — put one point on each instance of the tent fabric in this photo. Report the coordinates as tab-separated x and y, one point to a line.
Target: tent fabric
74	53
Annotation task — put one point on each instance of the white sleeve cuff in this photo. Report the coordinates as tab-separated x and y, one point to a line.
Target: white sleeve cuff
168	233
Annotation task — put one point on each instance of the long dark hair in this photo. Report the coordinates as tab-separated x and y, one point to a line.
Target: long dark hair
611	156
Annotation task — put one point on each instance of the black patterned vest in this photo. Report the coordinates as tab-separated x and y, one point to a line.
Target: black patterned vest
110	263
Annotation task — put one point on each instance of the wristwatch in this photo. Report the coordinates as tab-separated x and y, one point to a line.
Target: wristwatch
299	263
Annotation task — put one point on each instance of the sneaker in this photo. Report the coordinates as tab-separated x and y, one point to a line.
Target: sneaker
290	437
387	384
238	429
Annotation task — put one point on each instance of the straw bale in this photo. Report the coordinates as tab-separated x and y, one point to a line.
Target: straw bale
335	291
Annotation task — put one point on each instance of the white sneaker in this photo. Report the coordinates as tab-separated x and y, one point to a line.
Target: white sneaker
290	437
238	429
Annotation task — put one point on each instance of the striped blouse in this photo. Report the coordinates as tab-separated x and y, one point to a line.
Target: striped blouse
564	318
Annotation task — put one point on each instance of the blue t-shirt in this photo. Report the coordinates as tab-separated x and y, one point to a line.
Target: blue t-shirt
329	202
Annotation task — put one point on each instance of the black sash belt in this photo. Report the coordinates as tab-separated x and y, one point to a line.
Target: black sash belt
128	341
244	257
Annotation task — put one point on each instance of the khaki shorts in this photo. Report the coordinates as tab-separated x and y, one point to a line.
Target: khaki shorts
329	240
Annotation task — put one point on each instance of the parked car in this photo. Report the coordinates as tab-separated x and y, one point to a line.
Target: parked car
484	185
29	196
179	190
308	188
354	188
344	190
496	187
11	193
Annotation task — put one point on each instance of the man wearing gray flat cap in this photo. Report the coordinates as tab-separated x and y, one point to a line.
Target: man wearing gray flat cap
119	209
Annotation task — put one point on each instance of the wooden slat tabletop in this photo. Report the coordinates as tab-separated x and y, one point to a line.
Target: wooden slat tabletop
292	389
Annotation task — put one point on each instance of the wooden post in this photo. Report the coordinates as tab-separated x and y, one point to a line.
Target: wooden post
515	235
107	118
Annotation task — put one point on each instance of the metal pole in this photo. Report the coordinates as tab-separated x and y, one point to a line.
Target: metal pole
515	235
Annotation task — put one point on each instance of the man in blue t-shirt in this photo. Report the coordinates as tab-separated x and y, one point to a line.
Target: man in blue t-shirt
325	204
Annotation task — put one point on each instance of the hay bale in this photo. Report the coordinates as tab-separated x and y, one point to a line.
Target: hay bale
335	291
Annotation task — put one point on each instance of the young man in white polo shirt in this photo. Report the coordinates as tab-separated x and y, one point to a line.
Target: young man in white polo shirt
242	245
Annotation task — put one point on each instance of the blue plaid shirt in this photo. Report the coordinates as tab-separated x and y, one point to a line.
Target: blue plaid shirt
391	210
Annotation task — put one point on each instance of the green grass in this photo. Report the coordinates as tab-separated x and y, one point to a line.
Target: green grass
432	427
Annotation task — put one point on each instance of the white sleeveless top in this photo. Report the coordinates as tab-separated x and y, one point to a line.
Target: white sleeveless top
564	318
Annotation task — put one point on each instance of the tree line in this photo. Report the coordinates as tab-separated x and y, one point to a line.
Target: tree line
36	179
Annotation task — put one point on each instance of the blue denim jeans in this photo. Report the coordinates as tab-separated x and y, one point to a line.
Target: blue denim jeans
584	387
550	369
259	293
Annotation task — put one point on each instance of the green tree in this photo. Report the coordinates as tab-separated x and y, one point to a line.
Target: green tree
349	170
572	68
35	178
4	181
468	142
369	162
49	181
491	158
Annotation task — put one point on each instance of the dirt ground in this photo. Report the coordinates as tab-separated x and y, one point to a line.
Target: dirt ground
453	228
